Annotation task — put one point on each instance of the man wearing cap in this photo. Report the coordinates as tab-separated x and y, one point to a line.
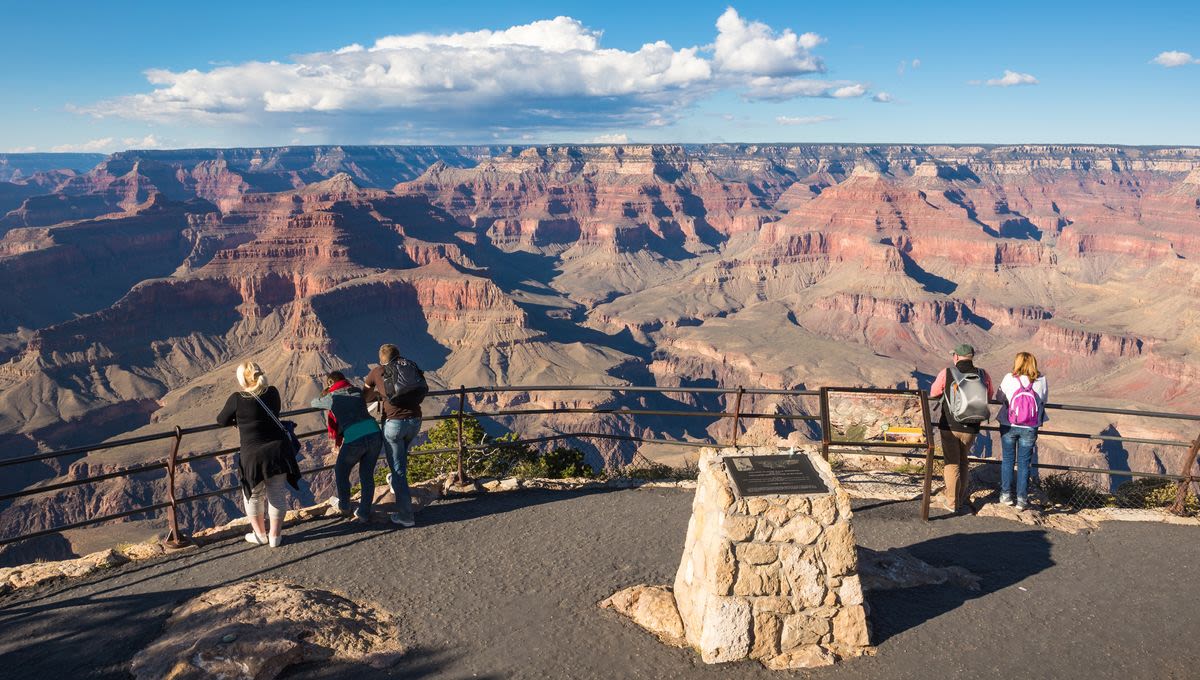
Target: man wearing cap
957	438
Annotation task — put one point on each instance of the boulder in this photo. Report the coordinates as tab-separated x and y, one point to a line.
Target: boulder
255	629
652	608
897	568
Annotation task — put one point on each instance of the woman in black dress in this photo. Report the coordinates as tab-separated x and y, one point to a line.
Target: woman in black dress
266	461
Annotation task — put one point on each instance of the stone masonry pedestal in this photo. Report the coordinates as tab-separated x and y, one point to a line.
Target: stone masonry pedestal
770	578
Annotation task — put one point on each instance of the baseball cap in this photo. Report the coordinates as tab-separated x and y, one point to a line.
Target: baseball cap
964	350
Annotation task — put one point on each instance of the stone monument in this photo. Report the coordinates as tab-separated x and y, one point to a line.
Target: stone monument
765	577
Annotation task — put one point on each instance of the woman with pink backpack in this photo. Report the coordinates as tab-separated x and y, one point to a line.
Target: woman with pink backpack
1023	393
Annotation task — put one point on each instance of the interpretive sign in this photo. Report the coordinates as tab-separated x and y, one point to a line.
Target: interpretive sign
873	417
768	475
867	418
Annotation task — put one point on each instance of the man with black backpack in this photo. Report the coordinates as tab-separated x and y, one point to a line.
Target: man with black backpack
399	386
963	391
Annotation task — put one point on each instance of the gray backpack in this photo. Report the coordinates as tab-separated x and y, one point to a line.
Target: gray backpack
967	398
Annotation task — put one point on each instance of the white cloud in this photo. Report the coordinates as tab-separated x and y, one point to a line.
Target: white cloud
611	138
916	64
883	98
22	149
545	75
1009	79
1174	59
109	144
849	91
781	89
803	120
753	47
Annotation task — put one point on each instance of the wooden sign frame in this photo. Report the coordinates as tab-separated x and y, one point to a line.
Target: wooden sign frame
827	430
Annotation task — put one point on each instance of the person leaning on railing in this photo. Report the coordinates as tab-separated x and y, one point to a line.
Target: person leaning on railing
265	461
361	442
962	391
1023	395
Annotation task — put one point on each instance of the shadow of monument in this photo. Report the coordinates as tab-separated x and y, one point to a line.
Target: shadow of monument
999	558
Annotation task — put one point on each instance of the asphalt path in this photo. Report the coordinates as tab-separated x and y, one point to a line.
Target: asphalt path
506	585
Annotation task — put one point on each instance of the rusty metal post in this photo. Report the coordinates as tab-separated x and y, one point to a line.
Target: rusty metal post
462	406
826	439
737	414
1179	507
928	486
175	539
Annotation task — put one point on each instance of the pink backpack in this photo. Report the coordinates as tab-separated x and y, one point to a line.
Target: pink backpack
1023	408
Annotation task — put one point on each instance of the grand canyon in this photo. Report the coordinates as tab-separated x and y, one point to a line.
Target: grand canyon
135	282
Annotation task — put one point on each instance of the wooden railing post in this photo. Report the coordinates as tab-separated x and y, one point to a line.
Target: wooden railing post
462	406
737	414
1189	477
175	539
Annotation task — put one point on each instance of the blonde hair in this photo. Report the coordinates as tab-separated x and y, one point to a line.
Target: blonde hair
251	378
1026	365
388	353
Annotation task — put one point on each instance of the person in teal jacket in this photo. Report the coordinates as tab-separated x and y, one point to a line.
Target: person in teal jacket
361	442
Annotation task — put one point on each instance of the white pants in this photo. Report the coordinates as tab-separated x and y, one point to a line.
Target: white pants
273	493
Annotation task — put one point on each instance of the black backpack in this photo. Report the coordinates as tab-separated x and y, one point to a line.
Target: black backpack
404	384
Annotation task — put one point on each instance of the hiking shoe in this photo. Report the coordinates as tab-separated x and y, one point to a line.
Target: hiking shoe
397	518
1006	499
256	539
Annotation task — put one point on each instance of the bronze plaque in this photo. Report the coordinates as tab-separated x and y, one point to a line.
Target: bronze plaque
770	475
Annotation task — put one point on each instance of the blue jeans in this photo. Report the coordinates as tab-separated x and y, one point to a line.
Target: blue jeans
398	436
1018	443
363	452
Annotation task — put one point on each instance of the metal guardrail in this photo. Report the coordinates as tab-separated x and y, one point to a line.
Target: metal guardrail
171	463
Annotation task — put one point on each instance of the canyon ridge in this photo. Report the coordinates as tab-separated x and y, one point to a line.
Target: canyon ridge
135	282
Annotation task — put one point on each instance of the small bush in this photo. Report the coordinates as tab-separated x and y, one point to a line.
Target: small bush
1151	493
1069	489
645	469
910	467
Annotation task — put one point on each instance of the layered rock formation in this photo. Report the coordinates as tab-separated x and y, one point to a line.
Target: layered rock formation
134	286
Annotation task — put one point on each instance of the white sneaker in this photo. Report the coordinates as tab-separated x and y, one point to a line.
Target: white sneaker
389	483
275	541
255	539
398	519
336	504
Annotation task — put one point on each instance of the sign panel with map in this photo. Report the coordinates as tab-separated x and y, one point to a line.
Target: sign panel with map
873	417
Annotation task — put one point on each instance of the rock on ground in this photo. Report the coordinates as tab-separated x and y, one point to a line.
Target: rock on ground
896	568
652	608
255	629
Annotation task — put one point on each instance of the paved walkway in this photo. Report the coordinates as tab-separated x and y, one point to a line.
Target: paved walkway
505	586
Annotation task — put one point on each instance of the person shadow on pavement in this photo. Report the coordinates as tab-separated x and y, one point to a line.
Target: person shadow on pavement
1000	559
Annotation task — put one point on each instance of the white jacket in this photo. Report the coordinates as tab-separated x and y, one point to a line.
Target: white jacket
1009	386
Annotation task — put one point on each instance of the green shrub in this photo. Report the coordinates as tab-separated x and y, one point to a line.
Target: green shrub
498	456
1151	493
1071	490
559	463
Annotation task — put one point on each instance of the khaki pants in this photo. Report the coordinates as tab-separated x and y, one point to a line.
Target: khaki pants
956	446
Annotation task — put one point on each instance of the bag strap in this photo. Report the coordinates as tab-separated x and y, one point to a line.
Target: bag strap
270	413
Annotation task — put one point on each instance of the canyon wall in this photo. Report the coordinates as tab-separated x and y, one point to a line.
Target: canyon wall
135	283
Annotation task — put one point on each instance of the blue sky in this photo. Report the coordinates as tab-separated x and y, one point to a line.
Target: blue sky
104	76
